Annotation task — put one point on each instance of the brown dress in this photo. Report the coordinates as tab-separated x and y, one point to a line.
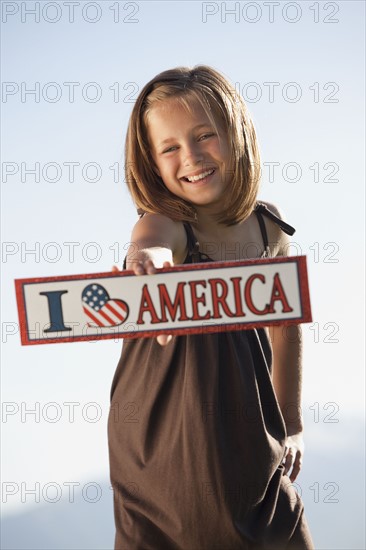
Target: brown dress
196	443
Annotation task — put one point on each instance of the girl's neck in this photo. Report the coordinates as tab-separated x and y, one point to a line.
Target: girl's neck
208	225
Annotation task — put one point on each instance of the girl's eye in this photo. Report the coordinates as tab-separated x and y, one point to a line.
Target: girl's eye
170	149
205	136
201	138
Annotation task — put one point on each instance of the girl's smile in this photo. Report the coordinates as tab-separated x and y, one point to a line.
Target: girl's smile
190	155
199	177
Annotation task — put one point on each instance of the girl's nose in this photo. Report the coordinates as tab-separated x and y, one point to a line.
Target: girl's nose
192	155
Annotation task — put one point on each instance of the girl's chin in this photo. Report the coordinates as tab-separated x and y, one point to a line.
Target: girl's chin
213	204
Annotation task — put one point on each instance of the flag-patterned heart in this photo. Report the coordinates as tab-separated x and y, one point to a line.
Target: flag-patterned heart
101	309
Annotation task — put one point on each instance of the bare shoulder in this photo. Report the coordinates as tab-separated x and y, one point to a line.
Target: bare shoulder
159	231
278	239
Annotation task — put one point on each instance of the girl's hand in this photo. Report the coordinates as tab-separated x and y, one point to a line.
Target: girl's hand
147	267
293	455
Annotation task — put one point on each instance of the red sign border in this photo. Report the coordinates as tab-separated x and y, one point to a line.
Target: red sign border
304	299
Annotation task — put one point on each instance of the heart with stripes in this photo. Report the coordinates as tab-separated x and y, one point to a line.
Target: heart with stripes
101	310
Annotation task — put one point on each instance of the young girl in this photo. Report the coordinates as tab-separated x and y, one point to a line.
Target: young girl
204	428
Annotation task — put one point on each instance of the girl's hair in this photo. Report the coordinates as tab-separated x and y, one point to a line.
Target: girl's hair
221	103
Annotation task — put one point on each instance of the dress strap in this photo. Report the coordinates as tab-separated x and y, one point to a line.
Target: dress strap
192	243
260	210
263	231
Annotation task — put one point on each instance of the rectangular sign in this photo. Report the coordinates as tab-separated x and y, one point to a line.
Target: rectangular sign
184	299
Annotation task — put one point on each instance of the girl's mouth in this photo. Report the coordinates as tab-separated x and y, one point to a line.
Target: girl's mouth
202	177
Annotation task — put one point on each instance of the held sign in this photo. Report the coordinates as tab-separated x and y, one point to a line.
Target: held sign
184	299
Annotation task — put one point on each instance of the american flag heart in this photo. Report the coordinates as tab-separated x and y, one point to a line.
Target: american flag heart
101	309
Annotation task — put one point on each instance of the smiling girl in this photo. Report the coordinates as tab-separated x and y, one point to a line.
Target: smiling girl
202	430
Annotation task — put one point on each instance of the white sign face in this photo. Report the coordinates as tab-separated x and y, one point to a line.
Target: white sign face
194	298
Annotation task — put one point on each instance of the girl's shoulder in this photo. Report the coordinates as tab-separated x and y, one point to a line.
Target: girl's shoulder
157	230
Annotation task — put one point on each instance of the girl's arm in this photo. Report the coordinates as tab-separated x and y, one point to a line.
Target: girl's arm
287	374
156	241
287	367
287	382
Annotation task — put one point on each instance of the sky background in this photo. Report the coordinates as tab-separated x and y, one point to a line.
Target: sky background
310	130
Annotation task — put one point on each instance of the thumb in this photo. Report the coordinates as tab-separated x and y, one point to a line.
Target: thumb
164	339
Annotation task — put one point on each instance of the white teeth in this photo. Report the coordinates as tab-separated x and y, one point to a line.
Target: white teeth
200	176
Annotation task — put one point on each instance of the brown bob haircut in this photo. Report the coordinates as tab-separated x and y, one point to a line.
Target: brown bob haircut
222	104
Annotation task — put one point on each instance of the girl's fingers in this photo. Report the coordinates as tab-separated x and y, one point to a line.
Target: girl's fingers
296	468
147	266
115	269
288	461
144	267
292	459
164	339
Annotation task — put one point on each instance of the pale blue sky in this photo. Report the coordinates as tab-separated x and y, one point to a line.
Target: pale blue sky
325	61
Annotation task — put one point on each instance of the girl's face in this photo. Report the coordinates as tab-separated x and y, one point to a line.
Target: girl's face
192	161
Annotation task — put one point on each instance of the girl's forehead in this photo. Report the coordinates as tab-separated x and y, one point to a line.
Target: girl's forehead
187	109
176	104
